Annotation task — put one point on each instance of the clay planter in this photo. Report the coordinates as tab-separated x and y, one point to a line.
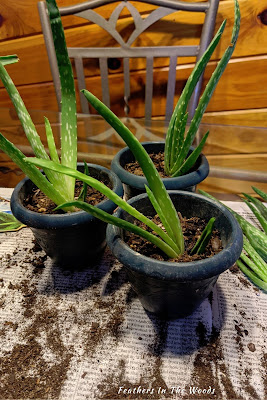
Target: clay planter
134	185
169	289
73	239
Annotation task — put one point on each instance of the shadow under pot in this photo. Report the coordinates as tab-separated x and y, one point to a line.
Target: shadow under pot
70	239
134	185
170	289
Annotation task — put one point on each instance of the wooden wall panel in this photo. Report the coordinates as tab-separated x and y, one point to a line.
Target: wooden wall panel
28	41
237	89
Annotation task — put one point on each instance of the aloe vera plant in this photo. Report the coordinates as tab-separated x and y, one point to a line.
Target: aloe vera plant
59	189
253	259
178	142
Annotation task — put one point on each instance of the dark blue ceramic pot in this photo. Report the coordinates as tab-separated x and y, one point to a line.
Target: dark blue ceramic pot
174	290
73	239
134	185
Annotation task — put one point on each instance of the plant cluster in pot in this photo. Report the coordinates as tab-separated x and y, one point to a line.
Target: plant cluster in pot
171	289
64	237
184	165
134	184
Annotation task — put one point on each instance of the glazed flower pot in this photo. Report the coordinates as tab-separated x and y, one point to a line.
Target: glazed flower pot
70	239
169	289
134	184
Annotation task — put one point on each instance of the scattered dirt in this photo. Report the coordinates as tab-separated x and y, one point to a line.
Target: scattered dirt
192	229
37	364
209	363
151	379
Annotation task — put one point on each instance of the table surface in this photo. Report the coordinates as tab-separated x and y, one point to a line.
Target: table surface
98	142
82	334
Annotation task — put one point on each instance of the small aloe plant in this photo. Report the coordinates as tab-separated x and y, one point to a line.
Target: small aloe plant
178	142
59	189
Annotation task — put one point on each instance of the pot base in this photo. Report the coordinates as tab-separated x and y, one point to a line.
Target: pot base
167	299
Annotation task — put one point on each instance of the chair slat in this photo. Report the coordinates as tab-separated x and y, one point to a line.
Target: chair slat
149	88
127	89
78	62
171	88
103	64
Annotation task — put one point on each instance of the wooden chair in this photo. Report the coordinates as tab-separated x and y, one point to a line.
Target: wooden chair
125	50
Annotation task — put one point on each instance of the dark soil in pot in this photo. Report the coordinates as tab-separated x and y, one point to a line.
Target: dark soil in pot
158	161
37	201
72	240
192	229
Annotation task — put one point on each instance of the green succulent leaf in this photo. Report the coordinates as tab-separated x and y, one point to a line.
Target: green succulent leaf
8	223
204	239
68	98
83	193
261	193
31	171
5	60
191	160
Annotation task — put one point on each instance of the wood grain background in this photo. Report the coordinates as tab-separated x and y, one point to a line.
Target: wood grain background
240	98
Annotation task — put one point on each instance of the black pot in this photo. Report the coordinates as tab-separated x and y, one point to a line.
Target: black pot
70	239
170	289
134	185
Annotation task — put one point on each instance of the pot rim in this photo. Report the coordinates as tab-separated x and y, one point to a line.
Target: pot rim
190	271
187	180
50	221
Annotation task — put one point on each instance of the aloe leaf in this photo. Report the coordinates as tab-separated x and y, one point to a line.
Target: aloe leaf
158	210
103	189
191	160
150	172
32	172
51	141
83	193
258	215
262	194
68	99
11	227
110	219
204	239
9	223
177	139
257	238
253	277
260	206
5	60
255	262
181	106
25	119
210	87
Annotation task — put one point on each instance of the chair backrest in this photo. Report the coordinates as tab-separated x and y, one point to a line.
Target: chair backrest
125	49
